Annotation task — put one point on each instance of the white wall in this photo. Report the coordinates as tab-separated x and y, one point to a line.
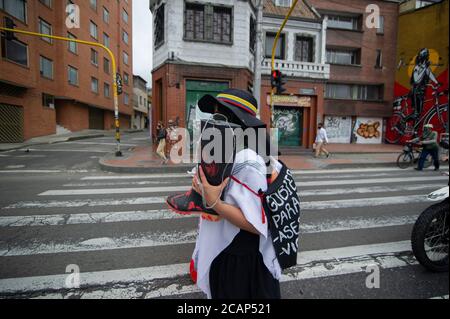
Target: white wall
235	55
294	28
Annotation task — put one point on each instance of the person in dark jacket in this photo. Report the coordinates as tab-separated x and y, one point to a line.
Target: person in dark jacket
430	146
161	134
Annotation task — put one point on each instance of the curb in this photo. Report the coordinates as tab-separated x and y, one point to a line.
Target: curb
73	138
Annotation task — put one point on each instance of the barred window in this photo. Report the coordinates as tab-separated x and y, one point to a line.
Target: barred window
252	41
304	49
194	27
159	26
222	25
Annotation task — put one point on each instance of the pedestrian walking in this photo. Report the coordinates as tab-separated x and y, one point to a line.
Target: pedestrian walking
172	136
430	146
161	135
321	140
234	256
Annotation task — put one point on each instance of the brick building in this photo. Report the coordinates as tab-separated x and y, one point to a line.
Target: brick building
359	93
140	105
339	69
47	83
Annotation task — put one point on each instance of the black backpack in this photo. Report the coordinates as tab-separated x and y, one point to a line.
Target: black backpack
281	205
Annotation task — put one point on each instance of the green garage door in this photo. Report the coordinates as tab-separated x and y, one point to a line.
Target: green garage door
195	90
289	121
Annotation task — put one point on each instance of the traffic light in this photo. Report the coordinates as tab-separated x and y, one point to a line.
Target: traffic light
277	81
9	23
119	83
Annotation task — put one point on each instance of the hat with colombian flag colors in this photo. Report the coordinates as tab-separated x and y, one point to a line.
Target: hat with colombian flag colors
239	103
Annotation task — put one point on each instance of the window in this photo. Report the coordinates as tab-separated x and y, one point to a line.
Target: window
126	78
73	46
46	67
93	30
158	26
94	57
304	49
125	37
380	29
106	40
200	18
194	25
344	22
252	40
106	65
124	16
354	92
105	15
283	3
94	85
270	39
344	56
379	60
73	75
45	28
126	99
106	90
125	58
16	8
15	51
222	25
140	100
93	4
48	3
48	100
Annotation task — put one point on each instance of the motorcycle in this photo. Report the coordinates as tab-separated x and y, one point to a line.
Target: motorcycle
430	235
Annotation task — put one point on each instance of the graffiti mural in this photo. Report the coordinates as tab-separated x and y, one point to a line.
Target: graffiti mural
287	121
339	129
368	130
421	78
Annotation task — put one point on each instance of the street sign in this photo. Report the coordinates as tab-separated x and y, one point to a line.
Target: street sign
119	83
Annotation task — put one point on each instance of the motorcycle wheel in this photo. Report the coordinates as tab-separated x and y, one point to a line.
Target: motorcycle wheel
430	237
404	160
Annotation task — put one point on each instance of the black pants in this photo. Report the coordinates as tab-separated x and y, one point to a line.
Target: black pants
239	272
434	154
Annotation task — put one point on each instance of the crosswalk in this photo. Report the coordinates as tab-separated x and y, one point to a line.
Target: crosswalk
117	230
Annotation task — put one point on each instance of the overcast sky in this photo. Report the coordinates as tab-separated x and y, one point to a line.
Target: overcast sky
142	40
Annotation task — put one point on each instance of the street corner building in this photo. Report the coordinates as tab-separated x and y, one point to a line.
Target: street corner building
338	70
50	86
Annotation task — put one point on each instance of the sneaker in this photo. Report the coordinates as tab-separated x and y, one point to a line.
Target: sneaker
417	169
436	168
190	203
328	155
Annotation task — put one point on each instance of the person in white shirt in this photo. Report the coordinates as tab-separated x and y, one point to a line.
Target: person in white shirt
321	140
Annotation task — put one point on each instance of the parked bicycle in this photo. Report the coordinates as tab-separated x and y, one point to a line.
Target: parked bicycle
403	123
411	155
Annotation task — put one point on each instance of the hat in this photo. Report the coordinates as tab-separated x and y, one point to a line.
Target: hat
429	125
239	103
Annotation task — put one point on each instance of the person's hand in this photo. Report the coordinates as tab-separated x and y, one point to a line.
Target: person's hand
211	193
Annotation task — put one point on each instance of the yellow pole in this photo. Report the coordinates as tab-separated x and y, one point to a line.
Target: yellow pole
114	69
274	47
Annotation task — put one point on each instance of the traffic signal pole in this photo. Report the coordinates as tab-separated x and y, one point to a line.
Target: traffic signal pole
274	48
114	67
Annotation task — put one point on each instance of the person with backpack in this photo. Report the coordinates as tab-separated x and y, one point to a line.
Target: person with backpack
235	256
161	135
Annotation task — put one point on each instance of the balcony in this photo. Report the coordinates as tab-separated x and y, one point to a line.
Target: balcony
298	69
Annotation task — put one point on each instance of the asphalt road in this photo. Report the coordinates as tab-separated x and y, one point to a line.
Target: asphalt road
117	230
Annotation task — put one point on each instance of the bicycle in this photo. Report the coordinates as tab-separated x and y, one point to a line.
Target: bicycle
411	155
403	124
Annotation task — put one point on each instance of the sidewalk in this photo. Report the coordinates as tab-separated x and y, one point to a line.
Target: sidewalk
55	138
143	159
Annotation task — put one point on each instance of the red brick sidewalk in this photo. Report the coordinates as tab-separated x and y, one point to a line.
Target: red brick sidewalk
144	157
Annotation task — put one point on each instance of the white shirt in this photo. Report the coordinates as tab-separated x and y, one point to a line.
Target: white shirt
321	136
214	237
